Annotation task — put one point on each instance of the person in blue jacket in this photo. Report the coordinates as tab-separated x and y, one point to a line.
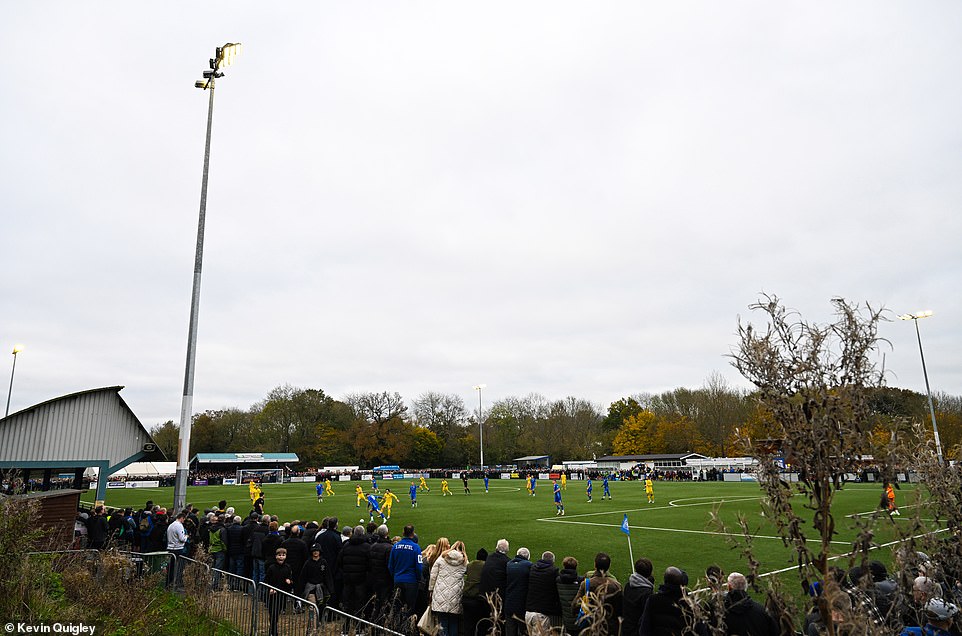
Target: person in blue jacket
405	565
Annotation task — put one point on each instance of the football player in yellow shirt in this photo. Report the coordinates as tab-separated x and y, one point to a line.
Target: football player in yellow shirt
387	500
328	491
254	489
564	481
444	488
424	485
649	489
360	495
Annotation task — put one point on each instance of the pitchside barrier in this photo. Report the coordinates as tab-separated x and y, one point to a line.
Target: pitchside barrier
293	614
230	602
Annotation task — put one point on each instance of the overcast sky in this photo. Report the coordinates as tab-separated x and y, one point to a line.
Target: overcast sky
566	198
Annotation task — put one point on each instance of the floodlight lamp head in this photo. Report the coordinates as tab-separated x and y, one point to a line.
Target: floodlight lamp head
227	53
17	348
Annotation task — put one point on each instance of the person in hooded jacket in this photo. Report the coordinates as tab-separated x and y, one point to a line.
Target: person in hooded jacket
568	583
516	592
638	588
352	562
743	615
543	605
446	585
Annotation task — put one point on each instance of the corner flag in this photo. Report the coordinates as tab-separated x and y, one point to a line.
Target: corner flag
624	526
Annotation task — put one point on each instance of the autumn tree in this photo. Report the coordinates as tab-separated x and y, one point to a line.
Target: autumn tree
815	380
425	447
446	416
166	436
381	433
638	435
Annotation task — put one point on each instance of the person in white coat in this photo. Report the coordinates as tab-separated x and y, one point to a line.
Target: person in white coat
446	585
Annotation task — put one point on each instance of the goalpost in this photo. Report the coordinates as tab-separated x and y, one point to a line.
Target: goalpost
264	475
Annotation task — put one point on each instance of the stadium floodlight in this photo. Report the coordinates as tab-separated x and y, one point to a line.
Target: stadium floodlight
17	348
223	56
935	427
478	387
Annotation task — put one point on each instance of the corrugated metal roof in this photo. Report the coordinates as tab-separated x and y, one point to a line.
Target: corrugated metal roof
243	458
89	425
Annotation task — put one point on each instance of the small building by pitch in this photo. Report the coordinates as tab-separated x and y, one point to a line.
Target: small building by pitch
74	432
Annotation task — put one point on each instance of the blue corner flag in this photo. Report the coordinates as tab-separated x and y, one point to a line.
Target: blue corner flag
624	526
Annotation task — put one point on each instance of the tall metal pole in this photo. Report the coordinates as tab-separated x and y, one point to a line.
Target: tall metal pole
12	371
928	392
480	424
186	408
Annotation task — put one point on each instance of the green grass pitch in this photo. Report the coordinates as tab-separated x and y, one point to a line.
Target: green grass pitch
675	530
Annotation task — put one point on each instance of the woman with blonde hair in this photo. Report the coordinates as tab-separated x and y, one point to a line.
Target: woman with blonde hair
434	551
446	585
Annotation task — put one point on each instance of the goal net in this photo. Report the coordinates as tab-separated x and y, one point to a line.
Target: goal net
263	475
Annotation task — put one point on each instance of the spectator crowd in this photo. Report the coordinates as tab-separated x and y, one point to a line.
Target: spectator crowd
393	580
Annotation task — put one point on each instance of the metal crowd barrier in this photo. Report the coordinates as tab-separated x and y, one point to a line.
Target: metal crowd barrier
232	598
292	614
234	603
335	622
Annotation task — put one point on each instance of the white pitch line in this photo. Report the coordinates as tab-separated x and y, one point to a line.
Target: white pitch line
859	514
666	507
722	534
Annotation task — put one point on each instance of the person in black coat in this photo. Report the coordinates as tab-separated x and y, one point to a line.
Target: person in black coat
98	529
330	542
234	540
543	593
667	612
743	615
297	553
310	533
353	565
379	576
494	574
270	543
636	591
157	539
315	578
516	592
279	576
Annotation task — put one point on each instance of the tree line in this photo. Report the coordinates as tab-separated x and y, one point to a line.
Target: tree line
439	430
